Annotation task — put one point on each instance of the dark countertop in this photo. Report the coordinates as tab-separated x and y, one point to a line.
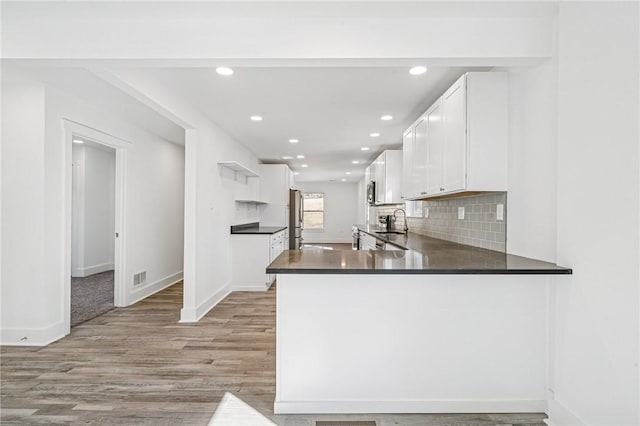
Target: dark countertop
424	255
255	228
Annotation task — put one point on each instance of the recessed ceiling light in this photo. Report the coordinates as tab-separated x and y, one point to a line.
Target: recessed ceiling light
304	165
224	71
364	148
374	135
386	118
293	141
296	173
300	156
343	180
287	157
355	162
418	70
347	173
256	118
77	141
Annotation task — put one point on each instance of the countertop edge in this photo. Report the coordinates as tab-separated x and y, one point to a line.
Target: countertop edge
257	231
311	271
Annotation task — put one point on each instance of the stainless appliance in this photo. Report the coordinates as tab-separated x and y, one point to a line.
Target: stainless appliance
295	219
387	221
371	193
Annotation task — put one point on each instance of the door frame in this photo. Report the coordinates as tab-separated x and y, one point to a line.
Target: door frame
121	146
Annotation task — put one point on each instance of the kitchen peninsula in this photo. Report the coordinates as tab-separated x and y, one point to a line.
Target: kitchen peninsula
437	327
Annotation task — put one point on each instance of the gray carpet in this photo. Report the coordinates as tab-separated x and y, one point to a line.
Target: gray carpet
91	296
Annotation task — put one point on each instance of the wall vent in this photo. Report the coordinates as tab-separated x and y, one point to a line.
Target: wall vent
140	278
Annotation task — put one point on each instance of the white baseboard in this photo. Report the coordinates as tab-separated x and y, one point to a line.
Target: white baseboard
559	415
90	270
248	287
32	336
427	406
327	241
193	314
146	290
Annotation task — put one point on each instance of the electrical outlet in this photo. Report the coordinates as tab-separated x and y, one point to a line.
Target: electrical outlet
500	212
460	212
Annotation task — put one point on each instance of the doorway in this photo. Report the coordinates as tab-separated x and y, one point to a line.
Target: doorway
98	278
92	229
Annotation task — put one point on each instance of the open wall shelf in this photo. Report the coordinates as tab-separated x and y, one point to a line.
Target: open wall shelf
238	168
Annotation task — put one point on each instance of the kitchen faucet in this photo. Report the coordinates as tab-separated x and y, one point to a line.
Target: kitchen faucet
406	228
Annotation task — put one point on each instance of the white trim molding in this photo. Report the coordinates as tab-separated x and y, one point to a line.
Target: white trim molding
71	128
193	314
32	336
90	270
424	406
141	292
559	415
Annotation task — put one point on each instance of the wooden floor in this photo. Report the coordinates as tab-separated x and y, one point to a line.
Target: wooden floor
138	365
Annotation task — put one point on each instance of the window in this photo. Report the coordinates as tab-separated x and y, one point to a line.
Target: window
313	210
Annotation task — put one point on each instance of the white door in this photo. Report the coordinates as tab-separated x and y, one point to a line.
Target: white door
454	108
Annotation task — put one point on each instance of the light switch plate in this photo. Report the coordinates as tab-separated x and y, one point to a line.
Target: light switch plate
460	212
500	212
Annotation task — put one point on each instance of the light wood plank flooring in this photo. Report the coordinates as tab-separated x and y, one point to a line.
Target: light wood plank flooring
138	365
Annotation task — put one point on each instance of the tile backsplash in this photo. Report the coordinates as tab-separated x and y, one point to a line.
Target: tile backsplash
479	228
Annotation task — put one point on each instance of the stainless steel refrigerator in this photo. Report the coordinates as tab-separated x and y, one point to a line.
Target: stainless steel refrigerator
295	219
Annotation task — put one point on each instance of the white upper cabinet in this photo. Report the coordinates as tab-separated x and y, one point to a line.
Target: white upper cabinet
386	172
454	129
435	147
407	165
460	143
276	180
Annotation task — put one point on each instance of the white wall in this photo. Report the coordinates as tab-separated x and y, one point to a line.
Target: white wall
93	210
34	155
340	211
208	30
210	193
595	369
532	169
25	296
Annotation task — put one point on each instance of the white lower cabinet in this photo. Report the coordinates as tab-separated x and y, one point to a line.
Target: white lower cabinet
252	253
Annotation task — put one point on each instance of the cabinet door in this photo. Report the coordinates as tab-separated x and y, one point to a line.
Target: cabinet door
435	140
381	179
420	158
455	146
407	164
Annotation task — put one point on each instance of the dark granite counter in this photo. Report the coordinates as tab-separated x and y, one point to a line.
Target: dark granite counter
424	255
255	228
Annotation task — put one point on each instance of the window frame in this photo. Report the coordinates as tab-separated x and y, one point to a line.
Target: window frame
305	209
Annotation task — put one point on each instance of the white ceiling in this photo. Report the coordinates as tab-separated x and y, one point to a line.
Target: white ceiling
331	110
